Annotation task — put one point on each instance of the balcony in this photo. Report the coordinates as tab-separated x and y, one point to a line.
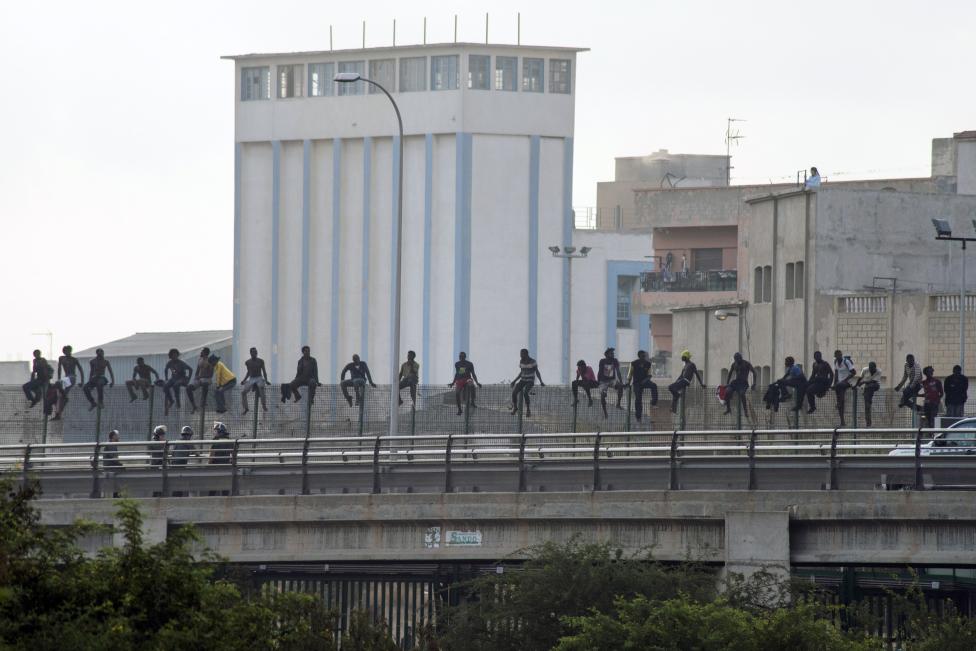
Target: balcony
723	280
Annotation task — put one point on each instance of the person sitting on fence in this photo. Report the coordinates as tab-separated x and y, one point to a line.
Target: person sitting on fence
72	369
843	374
911	379
956	388
465	380
796	379
821	379
202	380
224	381
524	381
36	388
639	376
184	449
586	380
358	377
157	448
96	378
306	375
176	374
933	392
738	382
608	375
688	373
870	378
142	378
110	452
256	378
409	376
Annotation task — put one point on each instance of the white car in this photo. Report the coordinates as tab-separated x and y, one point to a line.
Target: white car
945	442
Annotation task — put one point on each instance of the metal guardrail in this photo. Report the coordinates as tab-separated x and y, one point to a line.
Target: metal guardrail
515	462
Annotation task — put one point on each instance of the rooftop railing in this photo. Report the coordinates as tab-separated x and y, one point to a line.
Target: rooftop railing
689	281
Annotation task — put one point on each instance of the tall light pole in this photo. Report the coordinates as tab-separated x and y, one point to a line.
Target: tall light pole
350	77
943	231
569	253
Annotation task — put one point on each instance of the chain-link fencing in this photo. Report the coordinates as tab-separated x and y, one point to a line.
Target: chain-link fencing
437	410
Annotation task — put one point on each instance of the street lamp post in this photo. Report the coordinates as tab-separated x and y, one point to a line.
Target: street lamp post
569	253
350	77
943	231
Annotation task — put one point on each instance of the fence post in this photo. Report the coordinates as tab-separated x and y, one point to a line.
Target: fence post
96	490
682	419
152	400
203	408
362	408
305	489
413	418
98	421
521	484
165	469
832	478
596	461
447	464
376	464
854	408
673	463
575	412
919	480
468	388
254	420
520	407
233	468
752	461
738	411
308	415
630	403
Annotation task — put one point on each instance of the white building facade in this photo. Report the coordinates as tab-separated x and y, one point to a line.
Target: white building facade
488	161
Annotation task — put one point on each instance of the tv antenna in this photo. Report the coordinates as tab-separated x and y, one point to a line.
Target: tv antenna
732	137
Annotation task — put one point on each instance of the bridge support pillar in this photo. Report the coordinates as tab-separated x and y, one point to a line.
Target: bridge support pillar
758	541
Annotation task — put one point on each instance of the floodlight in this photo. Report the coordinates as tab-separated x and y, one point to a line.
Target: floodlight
942	227
586	249
554	249
570	249
346	77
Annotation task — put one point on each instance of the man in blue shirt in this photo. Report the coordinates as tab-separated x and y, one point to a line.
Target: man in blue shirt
795	378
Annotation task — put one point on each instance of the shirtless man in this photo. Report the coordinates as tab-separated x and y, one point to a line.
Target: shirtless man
821	379
71	367
96	378
142	378
256	378
688	373
202	380
177	374
739	382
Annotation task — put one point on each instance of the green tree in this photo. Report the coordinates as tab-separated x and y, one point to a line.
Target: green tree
141	596
525	609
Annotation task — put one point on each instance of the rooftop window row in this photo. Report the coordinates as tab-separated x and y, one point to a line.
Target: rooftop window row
415	74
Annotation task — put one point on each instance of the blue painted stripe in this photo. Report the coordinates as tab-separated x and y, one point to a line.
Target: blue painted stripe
275	251
364	307
462	244
644	331
395	185
336	237
236	341
306	232
534	146
567	241
428	237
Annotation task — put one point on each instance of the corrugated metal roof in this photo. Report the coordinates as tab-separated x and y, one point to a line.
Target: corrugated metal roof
159	343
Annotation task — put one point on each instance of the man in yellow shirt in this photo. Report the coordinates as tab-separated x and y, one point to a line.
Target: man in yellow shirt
224	381
410	375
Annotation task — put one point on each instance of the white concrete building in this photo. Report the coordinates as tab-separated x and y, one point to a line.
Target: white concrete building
487	188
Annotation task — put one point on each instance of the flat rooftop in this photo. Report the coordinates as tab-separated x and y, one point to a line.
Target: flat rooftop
398	48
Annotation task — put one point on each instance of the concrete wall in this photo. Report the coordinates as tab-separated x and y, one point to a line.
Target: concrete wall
15	372
682	240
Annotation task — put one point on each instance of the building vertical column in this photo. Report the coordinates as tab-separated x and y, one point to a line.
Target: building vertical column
534	147
336	236
567	241
428	253
306	231
462	244
364	308
644	331
236	340
394	242
275	251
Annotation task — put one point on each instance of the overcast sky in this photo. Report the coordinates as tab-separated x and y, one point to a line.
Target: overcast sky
116	155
